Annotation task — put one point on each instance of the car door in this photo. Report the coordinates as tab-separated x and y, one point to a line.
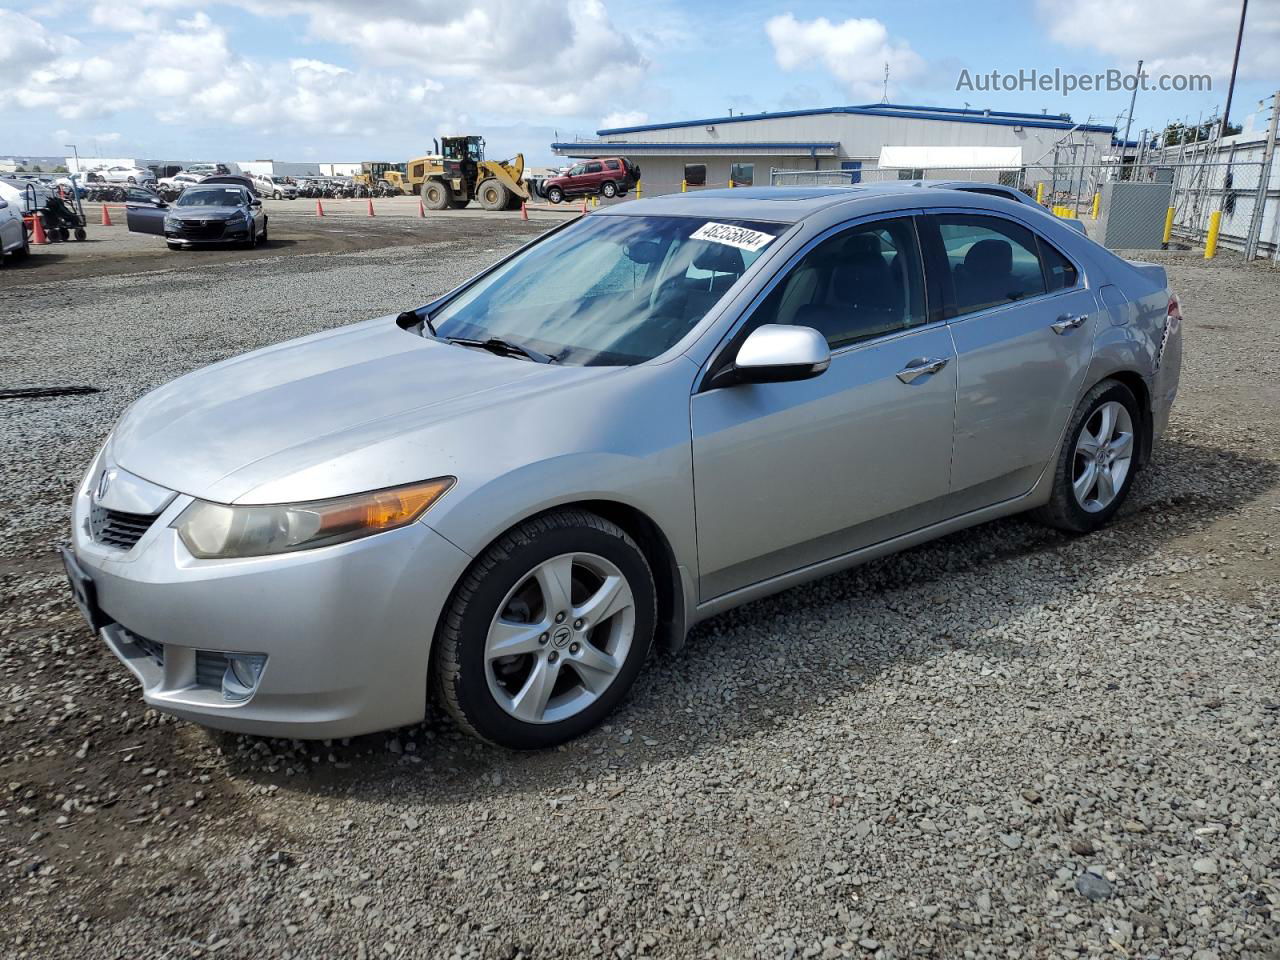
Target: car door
791	474
1023	323
144	212
10	228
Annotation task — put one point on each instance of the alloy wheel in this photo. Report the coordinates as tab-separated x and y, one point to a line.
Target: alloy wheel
1103	456
560	638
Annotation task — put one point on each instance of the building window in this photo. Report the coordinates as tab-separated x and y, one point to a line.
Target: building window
742	174
695	174
911	173
854	167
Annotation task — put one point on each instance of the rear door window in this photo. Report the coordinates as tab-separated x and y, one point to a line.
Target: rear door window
594	168
991	261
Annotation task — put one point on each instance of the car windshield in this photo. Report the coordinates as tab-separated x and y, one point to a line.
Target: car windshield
224	197
609	290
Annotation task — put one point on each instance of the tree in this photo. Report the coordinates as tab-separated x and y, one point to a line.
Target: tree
36	169
60	169
1178	132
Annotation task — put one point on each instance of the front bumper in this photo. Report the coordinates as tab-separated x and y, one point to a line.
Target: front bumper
231	233
346	630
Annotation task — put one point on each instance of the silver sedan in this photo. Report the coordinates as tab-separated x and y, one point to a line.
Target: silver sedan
507	497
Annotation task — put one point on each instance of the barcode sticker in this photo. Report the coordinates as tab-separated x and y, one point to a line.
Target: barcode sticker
743	238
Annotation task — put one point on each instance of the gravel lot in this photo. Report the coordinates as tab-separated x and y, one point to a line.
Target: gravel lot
1007	743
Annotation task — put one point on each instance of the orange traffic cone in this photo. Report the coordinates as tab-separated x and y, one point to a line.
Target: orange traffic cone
106	216
319	209
371	213
37	231
422	211
524	210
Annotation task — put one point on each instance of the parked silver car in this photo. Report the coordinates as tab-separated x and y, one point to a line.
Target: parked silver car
643	418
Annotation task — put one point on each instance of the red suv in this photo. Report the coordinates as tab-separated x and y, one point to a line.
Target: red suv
608	176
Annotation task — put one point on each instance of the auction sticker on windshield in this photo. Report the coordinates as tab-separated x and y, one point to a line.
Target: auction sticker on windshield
743	238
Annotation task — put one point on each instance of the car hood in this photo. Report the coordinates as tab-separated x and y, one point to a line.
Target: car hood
358	408
205	213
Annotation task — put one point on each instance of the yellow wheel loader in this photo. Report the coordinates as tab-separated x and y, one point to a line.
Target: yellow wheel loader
382	179
458	173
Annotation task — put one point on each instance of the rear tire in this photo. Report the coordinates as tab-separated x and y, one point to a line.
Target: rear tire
435	195
1091	478
492	194
583	666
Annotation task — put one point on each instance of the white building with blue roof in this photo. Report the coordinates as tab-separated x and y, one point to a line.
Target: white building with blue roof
871	141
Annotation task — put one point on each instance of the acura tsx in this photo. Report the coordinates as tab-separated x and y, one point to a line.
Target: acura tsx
507	497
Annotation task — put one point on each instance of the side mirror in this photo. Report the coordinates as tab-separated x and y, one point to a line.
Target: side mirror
777	353
255	202
4	204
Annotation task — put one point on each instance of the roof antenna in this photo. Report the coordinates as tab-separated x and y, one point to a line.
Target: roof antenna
885	97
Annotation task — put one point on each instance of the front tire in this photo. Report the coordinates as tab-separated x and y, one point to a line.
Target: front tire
546	632
1099	457
609	189
493	195
555	194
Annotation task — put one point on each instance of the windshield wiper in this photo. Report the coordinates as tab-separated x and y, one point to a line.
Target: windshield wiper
504	348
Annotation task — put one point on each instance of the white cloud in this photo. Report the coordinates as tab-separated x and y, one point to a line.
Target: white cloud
623	118
25	44
187	74
854	51
1171	36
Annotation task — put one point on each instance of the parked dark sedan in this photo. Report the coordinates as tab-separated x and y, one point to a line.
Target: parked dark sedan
204	213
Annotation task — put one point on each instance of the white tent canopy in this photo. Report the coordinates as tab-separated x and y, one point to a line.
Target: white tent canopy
927	158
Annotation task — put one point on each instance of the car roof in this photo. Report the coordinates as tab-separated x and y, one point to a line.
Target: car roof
792	204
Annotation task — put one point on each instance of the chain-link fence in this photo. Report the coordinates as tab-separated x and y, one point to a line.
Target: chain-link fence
1164	200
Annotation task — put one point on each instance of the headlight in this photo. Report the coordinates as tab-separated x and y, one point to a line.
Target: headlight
217	531
237	217
170	223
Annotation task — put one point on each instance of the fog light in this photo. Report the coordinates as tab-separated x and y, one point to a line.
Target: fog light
244	670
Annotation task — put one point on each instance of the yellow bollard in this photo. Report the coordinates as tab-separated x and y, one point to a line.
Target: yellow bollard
1040	193
1097	202
1211	244
637	189
731	184
1168	225
684	186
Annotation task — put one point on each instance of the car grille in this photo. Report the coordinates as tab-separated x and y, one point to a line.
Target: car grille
200	229
116	528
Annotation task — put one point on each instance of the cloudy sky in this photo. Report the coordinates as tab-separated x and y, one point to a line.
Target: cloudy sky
376	79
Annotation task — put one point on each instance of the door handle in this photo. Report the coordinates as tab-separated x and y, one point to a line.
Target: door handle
1068	322
921	368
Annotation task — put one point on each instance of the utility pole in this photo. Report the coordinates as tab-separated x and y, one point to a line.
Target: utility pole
1124	144
1264	179
1235	64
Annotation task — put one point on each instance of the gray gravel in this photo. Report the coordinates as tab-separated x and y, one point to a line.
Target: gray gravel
1008	743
